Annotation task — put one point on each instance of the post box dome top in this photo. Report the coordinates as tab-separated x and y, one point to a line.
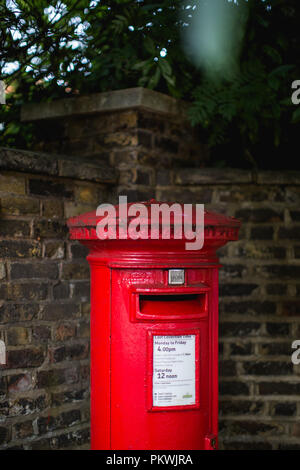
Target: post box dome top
83	227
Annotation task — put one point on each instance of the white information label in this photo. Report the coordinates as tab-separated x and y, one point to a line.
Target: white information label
174	380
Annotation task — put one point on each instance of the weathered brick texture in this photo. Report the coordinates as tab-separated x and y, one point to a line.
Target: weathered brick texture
44	307
259	301
44	299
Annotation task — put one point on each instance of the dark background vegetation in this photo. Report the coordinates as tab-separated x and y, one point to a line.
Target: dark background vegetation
53	49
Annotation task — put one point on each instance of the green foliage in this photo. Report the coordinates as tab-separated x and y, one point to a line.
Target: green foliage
65	48
255	107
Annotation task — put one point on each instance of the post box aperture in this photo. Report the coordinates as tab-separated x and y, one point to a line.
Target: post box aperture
154	338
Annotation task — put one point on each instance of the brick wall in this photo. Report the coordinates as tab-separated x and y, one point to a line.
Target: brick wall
44	299
259	300
45	388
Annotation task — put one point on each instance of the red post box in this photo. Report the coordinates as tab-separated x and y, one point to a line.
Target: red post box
154	336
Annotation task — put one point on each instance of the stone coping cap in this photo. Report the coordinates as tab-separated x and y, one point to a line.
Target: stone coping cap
67	166
119	100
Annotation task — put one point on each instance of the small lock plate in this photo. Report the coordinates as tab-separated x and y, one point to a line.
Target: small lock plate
176	277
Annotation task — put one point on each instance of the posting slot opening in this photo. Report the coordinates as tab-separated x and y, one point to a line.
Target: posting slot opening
166	305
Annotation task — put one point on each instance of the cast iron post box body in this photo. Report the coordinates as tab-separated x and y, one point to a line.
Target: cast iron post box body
154	344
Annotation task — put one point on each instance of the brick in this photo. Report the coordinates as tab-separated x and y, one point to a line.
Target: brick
12	184
4	409
23	430
41	333
295	216
279	388
26	406
50	229
233	388
34	270
186	196
15	228
150	122
78	251
86	308
64	332
78	438
68	352
88	171
19	383
72	396
3	387
24	291
125	157
87	194
41	444
291	308
134	195
295	430
42	187
54	377
245	193
19	205
287	446
280	271
19	249
234	329
262	215
278	329
81	290
2	271
166	145
240	407
276	289
291	233
290	195
60	311
275	348
53	208
145	138
74	208
247	445
251	307
227	368
163	177
268	368
240	349
262	233
11	313
143	177
25	358
297	252
256	251
61	290
4	435
212	176
149	158
54	250
250	427
17	335
278	177
236	289
75	271
51	423
285	409
232	271
83	330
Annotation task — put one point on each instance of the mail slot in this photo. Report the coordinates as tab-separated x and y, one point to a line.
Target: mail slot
154	337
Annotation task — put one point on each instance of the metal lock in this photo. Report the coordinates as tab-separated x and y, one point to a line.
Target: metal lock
176	277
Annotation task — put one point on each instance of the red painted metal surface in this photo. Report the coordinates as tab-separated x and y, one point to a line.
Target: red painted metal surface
131	305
